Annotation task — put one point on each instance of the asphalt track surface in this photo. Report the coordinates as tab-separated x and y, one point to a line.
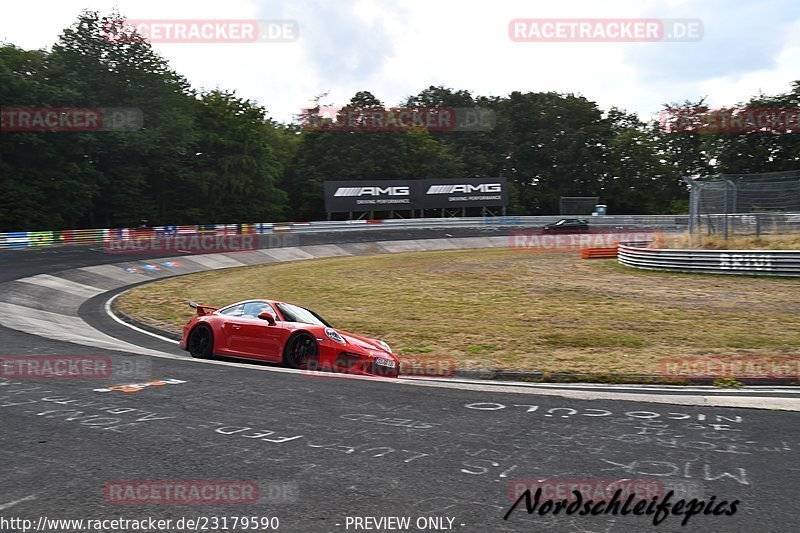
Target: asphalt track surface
325	450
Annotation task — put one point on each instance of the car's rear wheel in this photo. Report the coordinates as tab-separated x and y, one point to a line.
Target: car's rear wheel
301	350
201	342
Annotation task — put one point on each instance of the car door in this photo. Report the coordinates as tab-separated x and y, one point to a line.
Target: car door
230	330
253	337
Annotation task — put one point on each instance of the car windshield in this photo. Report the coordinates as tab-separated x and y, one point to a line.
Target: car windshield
293	313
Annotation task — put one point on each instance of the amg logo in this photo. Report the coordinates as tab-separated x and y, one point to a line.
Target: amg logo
371	191
450	189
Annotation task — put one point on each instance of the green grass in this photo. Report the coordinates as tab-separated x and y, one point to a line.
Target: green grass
728	383
503	309
479	348
412	349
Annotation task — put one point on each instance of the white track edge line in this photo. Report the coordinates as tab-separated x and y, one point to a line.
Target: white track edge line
110	313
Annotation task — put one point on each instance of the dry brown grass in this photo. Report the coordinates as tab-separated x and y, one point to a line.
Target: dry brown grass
734	242
503	309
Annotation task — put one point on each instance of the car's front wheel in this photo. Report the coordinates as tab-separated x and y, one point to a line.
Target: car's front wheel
300	350
201	342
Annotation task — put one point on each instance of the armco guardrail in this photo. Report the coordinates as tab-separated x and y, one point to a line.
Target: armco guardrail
743	262
25	239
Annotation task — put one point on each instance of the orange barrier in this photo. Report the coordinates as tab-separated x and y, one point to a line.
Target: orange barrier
598	253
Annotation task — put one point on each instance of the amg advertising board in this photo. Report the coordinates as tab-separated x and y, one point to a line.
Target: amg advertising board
467	192
385	195
378	195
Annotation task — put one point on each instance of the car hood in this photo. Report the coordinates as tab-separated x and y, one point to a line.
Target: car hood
364	343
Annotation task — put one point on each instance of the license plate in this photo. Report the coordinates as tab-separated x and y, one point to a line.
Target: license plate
384	362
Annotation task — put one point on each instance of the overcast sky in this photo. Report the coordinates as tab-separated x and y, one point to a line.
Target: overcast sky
395	48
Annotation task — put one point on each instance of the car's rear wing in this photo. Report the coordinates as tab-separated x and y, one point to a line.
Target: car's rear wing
202	309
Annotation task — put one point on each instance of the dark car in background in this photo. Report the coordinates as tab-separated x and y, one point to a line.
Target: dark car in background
567	224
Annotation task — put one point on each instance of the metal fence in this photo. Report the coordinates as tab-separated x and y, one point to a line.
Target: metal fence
743	262
745	204
25	239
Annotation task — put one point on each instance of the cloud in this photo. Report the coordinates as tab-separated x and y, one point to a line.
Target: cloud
344	41
740	36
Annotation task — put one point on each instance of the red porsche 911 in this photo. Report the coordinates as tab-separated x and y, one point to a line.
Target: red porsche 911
281	332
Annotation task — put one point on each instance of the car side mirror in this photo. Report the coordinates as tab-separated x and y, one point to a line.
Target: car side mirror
268	317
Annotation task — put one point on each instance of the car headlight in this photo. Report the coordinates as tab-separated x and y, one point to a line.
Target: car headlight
334	336
384	346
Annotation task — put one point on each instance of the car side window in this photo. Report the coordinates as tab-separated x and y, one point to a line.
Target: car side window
234	310
253	309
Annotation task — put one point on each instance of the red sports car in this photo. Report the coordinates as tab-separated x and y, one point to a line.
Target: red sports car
281	332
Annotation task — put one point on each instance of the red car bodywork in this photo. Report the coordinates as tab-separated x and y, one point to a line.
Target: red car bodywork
255	338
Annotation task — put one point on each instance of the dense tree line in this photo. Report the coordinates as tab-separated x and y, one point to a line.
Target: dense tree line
214	157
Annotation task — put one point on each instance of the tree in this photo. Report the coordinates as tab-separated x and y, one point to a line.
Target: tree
685	147
556	146
236	168
143	168
773	150
46	180
638	180
478	153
